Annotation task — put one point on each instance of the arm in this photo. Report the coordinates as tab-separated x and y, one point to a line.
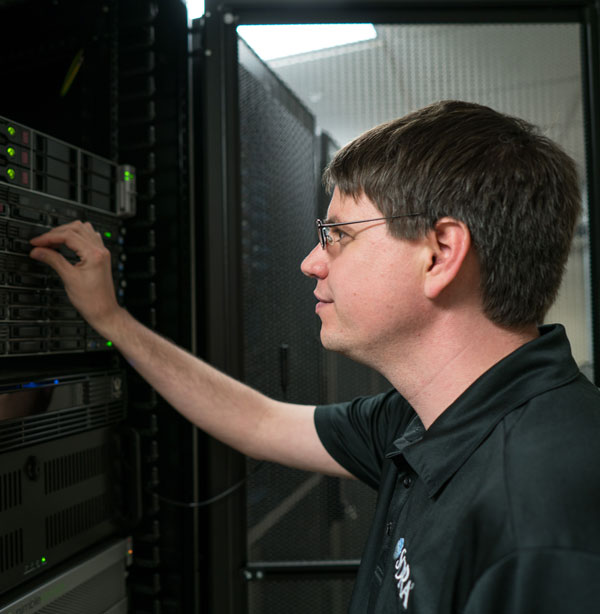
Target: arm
223	407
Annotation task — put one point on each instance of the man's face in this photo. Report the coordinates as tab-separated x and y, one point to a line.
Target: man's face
369	283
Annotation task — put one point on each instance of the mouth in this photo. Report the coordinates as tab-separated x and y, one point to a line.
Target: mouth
320	299
321	302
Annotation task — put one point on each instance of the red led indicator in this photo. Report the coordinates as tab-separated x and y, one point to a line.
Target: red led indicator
25	157
25	137
24	178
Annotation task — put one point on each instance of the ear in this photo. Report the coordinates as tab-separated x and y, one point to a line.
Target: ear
448	245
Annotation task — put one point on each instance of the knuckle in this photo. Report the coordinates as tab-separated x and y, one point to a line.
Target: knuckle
102	254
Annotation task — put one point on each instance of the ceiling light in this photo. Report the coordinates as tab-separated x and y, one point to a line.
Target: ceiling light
277	41
195	8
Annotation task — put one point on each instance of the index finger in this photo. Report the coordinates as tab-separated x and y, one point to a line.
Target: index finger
75	235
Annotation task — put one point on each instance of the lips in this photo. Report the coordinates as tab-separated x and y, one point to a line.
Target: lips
322	299
321	302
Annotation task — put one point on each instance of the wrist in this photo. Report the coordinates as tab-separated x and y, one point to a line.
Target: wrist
110	324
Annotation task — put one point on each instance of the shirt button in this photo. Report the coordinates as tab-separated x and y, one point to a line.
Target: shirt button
407	482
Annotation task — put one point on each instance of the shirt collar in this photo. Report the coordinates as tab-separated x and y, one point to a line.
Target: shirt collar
536	367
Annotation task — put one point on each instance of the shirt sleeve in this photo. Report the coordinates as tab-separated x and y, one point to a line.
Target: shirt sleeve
358	434
539	581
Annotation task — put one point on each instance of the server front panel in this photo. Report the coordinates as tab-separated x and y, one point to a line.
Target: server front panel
62	386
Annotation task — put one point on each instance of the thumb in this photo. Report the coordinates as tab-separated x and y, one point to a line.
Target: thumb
53	259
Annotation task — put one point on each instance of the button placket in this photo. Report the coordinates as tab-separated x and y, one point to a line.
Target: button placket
400	498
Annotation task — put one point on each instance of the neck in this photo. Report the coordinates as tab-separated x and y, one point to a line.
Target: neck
432	380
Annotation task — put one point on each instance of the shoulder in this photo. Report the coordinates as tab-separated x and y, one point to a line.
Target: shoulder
559	428
357	434
369	418
384	406
551	468
538	580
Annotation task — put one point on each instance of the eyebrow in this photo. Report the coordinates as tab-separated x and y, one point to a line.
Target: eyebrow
336	220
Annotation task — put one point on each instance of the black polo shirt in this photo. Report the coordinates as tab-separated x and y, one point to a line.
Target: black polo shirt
496	507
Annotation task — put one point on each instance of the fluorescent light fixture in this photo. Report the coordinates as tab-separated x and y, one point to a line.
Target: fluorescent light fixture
195	8
277	41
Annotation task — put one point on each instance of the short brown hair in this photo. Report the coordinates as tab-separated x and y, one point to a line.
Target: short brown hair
515	189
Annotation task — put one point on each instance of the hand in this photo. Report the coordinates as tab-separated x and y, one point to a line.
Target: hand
88	283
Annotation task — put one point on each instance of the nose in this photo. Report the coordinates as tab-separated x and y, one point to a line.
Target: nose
315	264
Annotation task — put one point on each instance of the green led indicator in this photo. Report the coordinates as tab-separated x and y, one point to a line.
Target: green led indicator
128	176
109	344
11	173
12	131
108	234
11	151
43	559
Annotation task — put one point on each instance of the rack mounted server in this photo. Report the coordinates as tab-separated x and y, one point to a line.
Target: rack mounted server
61	483
45	182
63	447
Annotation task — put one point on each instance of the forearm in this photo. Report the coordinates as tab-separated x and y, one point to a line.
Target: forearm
218	404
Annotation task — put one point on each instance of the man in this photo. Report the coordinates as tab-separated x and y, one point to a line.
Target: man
446	238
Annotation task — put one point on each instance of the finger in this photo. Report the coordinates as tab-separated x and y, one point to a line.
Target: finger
76	236
60	233
76	227
53	259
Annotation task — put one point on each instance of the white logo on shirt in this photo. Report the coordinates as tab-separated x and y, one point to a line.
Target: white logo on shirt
402	575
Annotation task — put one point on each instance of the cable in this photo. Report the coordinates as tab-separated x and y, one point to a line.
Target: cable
72	72
221	495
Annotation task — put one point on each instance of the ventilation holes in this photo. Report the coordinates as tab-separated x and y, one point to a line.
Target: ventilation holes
76	519
71	469
11	550
10	490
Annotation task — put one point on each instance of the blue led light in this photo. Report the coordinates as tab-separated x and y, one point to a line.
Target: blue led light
30	385
56	381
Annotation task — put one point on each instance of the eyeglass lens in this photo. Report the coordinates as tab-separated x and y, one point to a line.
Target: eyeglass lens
323	234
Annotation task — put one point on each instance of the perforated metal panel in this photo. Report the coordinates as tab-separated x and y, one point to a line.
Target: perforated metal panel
278	212
300	596
296	516
291	515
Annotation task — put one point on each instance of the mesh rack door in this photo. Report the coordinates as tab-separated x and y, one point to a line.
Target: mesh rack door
292	516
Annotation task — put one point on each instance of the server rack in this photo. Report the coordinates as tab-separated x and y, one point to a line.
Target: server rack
91	84
154	128
59	429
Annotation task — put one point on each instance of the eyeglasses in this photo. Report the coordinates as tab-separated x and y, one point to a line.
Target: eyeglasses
325	236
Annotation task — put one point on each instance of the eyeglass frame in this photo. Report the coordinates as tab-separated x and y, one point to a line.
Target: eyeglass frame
323	228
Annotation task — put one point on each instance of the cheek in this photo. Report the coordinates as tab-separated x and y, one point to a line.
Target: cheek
392	295
376	287
373	297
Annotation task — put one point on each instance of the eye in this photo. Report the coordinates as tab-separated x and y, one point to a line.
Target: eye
338	234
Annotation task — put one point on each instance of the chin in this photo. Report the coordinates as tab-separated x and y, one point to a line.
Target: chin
336	343
331	344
